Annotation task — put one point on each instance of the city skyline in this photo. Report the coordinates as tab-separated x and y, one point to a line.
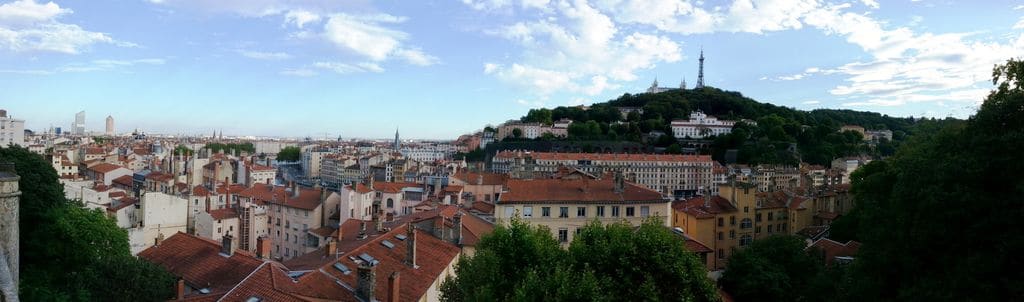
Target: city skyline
438	70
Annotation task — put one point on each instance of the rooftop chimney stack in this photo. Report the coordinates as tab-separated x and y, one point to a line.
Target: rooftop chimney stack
457	228
181	289
378	220
263	247
620	182
226	247
295	190
393	286
366	281
410	245
332	248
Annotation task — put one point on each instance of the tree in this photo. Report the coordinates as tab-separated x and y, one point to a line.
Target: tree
290	153
542	115
517	133
935	217
71	253
182	150
776	268
519	262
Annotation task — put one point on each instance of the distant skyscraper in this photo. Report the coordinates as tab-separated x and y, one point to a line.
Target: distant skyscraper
700	71
79	126
397	142
110	125
12	131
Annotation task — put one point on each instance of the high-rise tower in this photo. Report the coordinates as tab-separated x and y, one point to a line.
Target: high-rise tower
79	126
110	126
397	142
700	71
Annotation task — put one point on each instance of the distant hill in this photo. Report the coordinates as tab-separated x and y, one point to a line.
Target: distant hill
815	134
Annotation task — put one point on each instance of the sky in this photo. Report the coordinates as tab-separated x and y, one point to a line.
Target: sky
439	69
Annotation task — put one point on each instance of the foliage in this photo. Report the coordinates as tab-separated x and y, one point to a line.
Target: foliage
477	155
290	153
182	151
519	262
776	268
71	253
231	147
815	134
936	217
542	115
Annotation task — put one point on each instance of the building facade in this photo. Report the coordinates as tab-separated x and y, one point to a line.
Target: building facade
701	126
12	131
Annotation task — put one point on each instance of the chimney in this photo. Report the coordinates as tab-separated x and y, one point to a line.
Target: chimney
732	183
225	243
295	190
707	199
207	203
378	221
410	245
439	226
332	248
263	247
181	289
620	182
480	179
366	281
457	228
393	287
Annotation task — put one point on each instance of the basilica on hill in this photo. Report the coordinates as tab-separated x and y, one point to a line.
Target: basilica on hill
700	79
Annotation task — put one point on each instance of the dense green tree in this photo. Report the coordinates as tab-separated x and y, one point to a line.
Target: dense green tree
182	150
938	220
231	147
520	262
290	153
69	253
776	268
542	115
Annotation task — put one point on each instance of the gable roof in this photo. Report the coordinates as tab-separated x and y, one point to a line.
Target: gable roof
199	262
696	206
575	190
104	167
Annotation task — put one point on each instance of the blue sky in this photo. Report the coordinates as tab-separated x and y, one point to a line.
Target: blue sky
438	69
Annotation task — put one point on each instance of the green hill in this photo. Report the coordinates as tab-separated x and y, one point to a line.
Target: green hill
781	134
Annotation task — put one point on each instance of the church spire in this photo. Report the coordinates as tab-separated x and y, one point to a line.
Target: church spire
683	84
700	71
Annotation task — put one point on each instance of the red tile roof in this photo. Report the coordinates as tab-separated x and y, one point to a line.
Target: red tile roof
270	282
159	176
473	228
199	262
226	213
104	167
394	187
125	180
833	249
125	202
483	207
433	256
575	190
695	206
200	191
257	167
473	178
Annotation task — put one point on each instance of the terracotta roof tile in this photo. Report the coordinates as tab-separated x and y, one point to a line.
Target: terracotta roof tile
474	178
574	190
606	156
199	262
696	206
104	167
226	213
125	180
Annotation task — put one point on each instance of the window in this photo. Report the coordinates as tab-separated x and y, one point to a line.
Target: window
231	228
721	254
306	213
732	220
746	223
615	211
527	211
746	240
732	234
721	236
563	235
487	197
746	209
630	212
218	230
305	227
757	217
757	229
721	221
769	216
391	203
509	211
286	236
563	212
783	227
769	228
600	211
645	211
581	211
545	211
287	251
295	253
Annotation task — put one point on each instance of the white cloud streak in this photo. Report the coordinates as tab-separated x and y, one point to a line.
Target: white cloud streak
26	26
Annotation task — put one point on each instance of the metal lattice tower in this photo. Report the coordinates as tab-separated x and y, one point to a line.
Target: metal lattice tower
700	71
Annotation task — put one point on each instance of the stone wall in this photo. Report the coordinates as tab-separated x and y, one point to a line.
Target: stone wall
9	244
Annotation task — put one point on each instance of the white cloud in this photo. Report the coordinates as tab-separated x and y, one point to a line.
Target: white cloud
259	55
1019	24
367	36
811	102
579	51
90	66
870	3
345	68
300	17
29	26
299	72
1018	7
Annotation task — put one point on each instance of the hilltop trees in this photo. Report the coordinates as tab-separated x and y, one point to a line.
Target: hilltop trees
69	253
519	262
290	153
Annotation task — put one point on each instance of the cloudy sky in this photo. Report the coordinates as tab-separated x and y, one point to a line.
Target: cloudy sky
437	69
